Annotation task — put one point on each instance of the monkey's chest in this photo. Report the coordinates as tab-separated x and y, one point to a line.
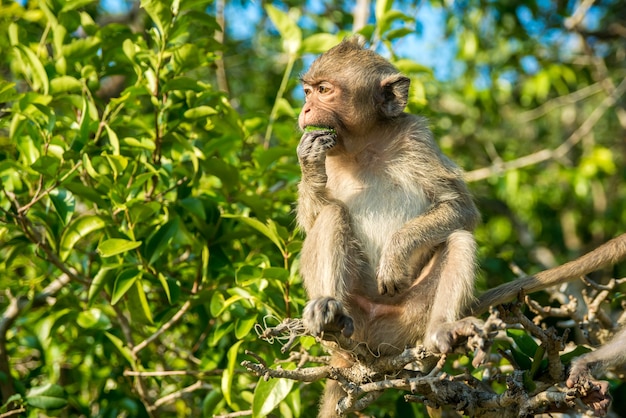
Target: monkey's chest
378	208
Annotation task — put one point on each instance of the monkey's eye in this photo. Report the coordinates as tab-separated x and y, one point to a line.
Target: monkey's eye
322	89
307	91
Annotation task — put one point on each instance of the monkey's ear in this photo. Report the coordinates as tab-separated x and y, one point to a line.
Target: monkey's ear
394	95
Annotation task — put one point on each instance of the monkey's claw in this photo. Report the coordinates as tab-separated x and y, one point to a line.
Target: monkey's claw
327	315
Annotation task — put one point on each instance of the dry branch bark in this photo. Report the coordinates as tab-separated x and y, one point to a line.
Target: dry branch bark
419	373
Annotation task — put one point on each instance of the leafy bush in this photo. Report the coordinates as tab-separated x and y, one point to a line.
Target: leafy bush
146	213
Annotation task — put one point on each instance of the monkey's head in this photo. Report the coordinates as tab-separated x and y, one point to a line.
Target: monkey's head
351	88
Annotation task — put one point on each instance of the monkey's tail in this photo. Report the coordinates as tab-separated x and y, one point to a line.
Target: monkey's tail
607	254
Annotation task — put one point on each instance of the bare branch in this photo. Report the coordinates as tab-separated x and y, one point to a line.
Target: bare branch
544	155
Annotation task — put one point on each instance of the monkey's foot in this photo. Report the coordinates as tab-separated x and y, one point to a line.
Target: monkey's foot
445	337
326	314
593	393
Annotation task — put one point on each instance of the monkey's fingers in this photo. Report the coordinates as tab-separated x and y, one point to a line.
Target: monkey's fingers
327	315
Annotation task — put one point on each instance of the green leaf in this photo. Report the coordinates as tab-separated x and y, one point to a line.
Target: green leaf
268	230
183	84
537	361
525	342
200	112
93	319
287	27
102	278
64	204
578	351
161	239
7	91
116	246
166	286
47	397
75	4
318	43
244	325
159	12
138	304
217	304
76	230
382	7
123	283
227	376
268	394
389	16
114	142
118	163
65	84
46	165
36	69
123	349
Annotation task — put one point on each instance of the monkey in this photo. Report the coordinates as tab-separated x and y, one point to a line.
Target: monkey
389	255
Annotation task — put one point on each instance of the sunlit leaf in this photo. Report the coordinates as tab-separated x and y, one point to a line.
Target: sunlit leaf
76	230
104	276
123	283
64	204
159	12
122	348
227	376
268	394
47	397
138	304
115	246
287	27
244	325
93	319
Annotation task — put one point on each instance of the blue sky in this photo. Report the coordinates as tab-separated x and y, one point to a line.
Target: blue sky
430	48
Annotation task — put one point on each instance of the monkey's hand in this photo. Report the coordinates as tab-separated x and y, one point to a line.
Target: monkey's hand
326	314
312	151
392	277
594	393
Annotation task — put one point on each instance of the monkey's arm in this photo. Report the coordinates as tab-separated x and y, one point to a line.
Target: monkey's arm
398	265
609	253
312	193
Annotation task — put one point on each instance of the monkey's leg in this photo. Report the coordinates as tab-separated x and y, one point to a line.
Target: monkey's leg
331	265
583	369
333	391
454	292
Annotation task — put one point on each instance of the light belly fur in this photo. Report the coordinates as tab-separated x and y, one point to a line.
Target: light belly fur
375	219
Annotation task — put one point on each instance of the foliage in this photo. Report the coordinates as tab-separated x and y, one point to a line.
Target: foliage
146	220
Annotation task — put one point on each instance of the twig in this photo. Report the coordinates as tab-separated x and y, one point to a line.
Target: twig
180	393
235	414
13	412
573	21
214	372
547	154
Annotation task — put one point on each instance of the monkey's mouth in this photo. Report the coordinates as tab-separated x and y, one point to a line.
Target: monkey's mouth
311	128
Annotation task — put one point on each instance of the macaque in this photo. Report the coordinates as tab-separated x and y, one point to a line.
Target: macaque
389	253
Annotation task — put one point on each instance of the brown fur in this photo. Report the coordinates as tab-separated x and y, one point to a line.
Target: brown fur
389	256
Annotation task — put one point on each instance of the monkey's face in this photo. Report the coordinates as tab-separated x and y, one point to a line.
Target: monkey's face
323	101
